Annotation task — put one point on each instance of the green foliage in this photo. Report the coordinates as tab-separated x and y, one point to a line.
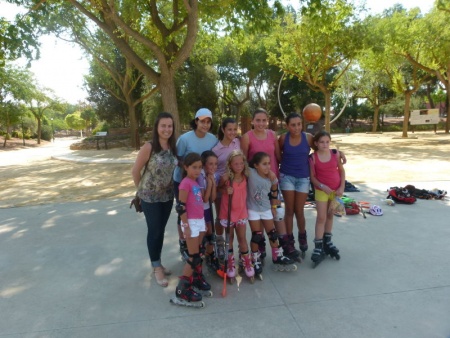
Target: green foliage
102	126
46	133
18	39
74	121
318	47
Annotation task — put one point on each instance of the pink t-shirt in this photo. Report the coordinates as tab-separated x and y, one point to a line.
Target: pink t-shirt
194	202
238	202
223	152
327	172
267	145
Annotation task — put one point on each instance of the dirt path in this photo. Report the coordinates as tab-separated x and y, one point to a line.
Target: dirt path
29	179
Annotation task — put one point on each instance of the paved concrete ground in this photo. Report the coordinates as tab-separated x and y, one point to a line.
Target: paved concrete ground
82	270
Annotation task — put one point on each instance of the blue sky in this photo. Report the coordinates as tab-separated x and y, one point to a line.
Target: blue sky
62	66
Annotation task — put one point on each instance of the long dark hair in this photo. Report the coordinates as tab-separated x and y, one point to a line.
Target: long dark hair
223	125
156	146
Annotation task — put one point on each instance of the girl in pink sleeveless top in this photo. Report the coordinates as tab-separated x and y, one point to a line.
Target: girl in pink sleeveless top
261	139
328	176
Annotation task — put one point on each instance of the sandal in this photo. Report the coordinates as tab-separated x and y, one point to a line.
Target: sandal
160	277
167	272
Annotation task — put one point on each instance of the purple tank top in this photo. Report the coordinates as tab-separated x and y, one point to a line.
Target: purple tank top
295	159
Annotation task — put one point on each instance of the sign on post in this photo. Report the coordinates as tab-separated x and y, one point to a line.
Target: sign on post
424	116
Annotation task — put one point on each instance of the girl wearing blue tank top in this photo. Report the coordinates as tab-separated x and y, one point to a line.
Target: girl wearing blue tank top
295	147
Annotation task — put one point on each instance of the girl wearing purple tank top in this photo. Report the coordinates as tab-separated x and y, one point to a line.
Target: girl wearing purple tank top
295	183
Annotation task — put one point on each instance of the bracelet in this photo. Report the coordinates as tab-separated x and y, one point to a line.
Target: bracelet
184	225
320	185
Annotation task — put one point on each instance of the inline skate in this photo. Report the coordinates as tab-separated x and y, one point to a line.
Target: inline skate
281	262
185	295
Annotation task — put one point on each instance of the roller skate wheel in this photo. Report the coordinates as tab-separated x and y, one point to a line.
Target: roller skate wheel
294	267
278	267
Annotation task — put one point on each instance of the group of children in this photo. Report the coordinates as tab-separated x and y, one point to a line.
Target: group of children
248	192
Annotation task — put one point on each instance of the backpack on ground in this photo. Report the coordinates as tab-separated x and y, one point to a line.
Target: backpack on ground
351	207
403	195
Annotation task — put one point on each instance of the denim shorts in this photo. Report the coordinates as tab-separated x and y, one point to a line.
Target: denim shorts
290	183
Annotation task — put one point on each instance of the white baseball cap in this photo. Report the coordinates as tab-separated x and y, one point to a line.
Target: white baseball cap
203	113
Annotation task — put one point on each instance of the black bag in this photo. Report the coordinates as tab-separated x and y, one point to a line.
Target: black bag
136	202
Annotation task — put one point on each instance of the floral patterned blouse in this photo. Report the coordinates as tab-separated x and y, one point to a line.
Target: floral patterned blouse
157	184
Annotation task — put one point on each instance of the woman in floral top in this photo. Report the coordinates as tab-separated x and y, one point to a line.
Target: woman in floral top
155	188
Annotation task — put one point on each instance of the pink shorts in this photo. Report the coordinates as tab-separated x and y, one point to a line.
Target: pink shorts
241	222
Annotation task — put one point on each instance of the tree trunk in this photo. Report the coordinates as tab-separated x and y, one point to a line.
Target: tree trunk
430	99
447	107
169	97
7	129
327	110
39	130
376	114
406	113
133	123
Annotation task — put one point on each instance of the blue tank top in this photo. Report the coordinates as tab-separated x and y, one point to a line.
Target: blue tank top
295	159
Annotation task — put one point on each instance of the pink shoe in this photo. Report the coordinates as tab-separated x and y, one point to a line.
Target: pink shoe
247	264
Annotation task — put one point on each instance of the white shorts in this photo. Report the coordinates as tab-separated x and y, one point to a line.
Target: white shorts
197	226
258	215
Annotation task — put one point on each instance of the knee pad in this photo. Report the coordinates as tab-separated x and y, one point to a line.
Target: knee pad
273	235
257	237
196	261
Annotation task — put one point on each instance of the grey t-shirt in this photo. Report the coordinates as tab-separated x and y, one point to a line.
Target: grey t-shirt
258	189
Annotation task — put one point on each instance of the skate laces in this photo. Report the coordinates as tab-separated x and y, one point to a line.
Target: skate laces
247	262
279	252
230	261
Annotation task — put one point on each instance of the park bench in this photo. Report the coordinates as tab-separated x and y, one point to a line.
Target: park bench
101	135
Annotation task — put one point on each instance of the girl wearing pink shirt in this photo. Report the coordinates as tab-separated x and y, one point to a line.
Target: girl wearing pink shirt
328	176
191	211
234	183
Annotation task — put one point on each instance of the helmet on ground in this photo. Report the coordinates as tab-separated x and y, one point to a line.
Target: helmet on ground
375	210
